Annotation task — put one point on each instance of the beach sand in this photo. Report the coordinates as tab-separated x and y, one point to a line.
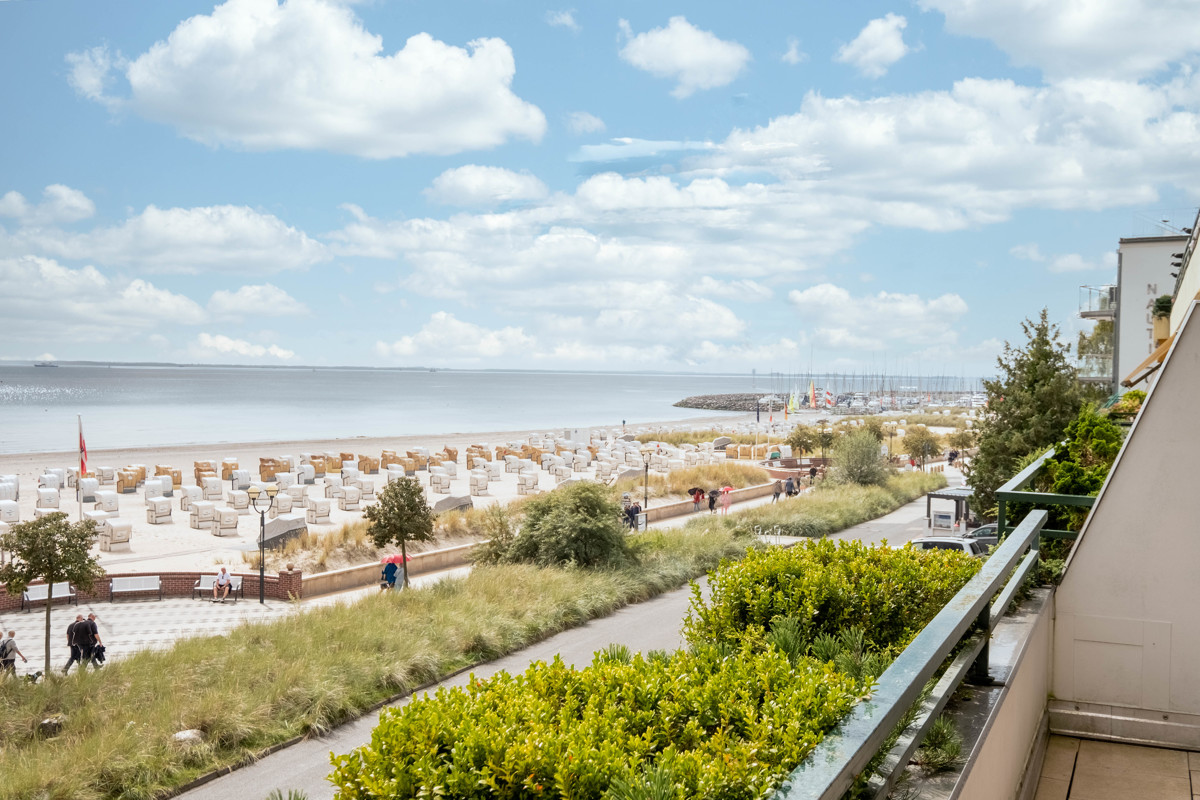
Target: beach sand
176	546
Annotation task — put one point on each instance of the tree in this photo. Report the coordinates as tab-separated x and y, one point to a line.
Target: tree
802	439
1030	403
874	426
920	442
961	439
824	435
53	550
857	459
575	524
1097	343
400	516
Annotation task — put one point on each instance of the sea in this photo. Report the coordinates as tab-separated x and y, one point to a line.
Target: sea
137	406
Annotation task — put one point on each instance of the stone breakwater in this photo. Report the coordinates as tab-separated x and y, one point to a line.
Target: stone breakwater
721	402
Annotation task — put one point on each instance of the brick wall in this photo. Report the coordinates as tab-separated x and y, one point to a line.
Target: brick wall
285	585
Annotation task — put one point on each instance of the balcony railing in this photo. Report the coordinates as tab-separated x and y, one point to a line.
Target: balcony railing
1095	367
1015	492
1097	302
975	611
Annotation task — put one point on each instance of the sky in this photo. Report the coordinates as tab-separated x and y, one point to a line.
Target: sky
701	186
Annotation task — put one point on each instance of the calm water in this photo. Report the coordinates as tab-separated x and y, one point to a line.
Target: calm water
137	407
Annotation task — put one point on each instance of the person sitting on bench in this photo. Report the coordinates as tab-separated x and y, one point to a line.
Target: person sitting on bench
222	584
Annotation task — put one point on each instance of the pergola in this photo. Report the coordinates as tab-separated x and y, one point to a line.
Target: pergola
961	495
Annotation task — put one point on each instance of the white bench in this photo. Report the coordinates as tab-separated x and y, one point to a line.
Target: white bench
142	583
40	593
204	586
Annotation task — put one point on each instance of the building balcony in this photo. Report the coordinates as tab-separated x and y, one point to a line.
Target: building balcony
1098	302
1095	368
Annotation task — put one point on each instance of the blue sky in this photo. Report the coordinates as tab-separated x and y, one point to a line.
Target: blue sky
639	186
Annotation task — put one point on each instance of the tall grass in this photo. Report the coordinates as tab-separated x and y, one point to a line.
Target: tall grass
829	508
710	476
677	438
265	683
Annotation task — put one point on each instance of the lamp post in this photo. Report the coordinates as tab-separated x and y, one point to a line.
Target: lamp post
891	426
255	493
646	456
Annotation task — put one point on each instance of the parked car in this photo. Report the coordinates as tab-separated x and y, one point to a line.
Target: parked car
972	547
987	534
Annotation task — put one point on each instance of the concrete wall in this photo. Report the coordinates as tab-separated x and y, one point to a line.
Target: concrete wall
369	574
1143	275
677	509
1127	637
998	763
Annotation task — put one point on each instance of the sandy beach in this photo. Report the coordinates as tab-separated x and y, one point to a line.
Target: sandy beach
176	546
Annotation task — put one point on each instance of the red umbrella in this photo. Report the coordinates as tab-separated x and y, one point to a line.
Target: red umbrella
726	488
395	558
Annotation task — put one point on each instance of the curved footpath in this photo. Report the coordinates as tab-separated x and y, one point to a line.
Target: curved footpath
653	625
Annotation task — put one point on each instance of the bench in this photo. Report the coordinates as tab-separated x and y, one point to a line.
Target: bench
204	587
39	594
142	583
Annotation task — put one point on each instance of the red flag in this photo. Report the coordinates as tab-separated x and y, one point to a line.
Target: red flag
82	451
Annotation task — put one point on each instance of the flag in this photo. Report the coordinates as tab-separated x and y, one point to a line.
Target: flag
82	451
812	395
828	399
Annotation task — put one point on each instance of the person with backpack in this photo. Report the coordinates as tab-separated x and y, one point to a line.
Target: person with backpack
71	643
87	638
8	654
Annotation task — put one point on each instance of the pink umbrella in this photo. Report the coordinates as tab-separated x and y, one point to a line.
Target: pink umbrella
726	488
395	558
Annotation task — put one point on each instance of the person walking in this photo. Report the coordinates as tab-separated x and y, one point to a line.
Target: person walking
697	498
776	490
713	494
726	499
8	655
87	637
388	581
71	643
789	488
812	475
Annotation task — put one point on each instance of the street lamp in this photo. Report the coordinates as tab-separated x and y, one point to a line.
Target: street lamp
646	456
255	492
891	426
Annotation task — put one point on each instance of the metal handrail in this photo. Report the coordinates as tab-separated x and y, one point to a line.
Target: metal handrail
1013	492
835	763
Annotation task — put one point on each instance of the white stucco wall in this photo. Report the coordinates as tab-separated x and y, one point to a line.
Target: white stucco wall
1143	274
1127	633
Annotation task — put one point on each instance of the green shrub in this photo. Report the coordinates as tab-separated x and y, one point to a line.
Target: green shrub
823	587
695	724
857	460
576	524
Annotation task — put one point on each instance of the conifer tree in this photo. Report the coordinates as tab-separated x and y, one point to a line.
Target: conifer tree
1030	403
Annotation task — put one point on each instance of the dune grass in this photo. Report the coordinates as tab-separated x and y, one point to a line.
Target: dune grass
710	476
269	682
677	438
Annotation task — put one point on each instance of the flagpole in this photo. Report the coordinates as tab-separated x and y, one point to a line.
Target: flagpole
82	467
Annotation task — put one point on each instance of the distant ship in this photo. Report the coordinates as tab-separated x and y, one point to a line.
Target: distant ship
44	364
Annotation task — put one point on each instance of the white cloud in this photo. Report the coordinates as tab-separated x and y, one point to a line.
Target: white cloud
475	185
793	55
90	71
263	300
623	147
209	346
581	122
841	320
1102	38
446	337
307	75
60	204
181	240
47	302
694	58
563	19
1027	252
1073	262
877	46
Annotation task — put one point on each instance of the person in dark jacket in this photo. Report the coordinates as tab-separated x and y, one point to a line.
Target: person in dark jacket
76	656
713	494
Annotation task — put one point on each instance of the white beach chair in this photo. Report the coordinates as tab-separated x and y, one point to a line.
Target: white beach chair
187	496
106	475
241	479
479	481
158	511
239	501
318	513
451	468
333	486
211	488
297	493
86	489
367	485
48	480
495	470
10	512
115	535
351	499
106	501
512	463
561	473
48	498
283	505
203	515
439	481
226	522
286	479
153	488
350	475
527	483
306	474
9	491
